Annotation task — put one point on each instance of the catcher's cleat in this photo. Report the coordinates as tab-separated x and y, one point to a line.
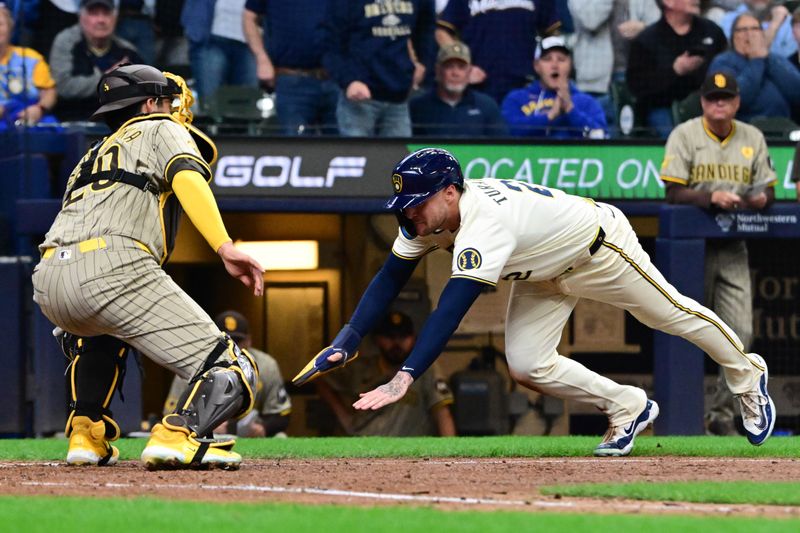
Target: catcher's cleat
758	410
173	446
88	445
618	440
320	365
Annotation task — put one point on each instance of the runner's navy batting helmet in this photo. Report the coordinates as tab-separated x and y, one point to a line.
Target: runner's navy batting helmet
421	175
130	84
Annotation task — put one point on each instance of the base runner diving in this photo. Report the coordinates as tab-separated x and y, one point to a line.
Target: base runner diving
554	248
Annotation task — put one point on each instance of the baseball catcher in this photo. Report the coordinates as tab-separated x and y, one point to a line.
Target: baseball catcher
100	278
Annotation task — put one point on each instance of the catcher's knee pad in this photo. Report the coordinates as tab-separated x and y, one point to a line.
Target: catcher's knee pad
223	389
96	370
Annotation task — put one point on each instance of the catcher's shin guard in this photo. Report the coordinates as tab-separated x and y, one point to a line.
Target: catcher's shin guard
96	370
223	389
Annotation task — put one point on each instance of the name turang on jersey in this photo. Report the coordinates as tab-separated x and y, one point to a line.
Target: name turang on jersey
512	230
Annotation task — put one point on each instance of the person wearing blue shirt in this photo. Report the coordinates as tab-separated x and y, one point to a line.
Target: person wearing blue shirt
775	21
768	82
502	36
218	52
289	59
452	108
553	106
373	50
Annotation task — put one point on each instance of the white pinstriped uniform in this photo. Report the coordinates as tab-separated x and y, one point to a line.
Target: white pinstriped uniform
100	271
540	239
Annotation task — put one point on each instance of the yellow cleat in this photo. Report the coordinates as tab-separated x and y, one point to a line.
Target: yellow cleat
173	446
88	445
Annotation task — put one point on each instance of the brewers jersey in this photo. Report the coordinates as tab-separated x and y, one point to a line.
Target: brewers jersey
154	146
513	230
697	158
555	249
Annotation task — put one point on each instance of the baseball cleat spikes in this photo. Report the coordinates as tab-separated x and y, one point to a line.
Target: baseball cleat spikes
170	449
88	445
618	440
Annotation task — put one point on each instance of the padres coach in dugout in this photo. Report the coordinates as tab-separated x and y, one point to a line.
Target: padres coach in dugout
100	278
716	162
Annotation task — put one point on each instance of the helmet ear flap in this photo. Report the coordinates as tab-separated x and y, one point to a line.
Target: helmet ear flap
406	226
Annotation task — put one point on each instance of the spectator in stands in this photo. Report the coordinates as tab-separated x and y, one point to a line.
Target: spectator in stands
453	109
289	60
502	37
373	51
775	20
669	60
272	406
423	411
218	52
715	10
82	53
720	163
135	25
52	16
768	82
603	31
27	92
794	58
553	106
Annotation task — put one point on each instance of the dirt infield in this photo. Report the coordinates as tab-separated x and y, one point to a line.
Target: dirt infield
487	484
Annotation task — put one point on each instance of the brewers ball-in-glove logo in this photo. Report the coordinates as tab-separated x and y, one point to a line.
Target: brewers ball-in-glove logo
397	182
469	259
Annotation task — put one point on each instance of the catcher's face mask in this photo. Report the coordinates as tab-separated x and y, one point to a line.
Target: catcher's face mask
183	98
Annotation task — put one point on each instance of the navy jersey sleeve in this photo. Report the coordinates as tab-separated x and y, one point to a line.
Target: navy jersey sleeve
383	288
457	297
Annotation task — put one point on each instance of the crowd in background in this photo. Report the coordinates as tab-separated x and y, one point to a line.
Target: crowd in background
441	68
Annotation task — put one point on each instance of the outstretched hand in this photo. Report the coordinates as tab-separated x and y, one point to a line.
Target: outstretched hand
385	394
242	267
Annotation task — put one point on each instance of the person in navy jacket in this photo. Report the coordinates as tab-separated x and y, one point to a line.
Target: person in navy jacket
553	106
453	108
375	52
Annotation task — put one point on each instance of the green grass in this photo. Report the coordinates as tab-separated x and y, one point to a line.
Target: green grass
739	492
306	448
44	513
47	514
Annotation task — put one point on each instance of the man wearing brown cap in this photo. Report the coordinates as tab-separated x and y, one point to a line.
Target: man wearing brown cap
453	108
270	414
424	410
717	162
